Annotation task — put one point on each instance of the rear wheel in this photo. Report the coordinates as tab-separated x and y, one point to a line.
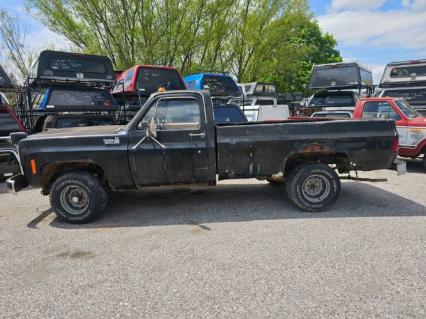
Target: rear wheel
78	197
313	187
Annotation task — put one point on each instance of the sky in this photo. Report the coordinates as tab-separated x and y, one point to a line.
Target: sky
372	32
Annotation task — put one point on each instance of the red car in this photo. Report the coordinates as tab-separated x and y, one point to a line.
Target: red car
411	125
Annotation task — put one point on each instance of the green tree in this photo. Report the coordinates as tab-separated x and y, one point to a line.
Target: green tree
271	40
12	36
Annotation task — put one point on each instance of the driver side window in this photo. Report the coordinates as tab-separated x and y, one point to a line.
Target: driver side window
173	114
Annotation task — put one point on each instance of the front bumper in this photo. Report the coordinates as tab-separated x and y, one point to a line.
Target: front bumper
16	183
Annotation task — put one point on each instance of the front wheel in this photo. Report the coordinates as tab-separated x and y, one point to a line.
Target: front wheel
313	187
78	197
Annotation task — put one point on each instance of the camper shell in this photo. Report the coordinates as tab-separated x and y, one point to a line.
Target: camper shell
219	85
259	88
147	79
340	76
65	67
404	73
407	80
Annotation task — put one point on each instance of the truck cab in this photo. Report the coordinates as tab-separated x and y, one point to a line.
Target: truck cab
411	125
173	140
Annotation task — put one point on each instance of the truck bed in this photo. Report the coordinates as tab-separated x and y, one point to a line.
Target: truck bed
261	150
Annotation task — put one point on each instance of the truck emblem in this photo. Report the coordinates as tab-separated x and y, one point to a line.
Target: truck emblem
112	141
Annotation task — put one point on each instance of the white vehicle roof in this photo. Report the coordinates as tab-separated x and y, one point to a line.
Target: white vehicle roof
404	73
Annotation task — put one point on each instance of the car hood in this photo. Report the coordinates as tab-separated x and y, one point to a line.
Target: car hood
106	130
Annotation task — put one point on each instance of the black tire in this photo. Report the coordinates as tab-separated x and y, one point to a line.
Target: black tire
78	197
313	187
274	182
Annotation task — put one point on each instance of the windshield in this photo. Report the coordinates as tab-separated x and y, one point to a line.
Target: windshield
220	85
149	80
407	109
414	96
332	100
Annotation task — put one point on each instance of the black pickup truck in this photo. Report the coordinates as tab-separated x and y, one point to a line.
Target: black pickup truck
172	141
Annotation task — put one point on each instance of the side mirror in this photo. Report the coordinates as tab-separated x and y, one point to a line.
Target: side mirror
17	136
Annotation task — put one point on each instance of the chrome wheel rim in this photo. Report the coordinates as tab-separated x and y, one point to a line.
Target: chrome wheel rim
74	199
316	188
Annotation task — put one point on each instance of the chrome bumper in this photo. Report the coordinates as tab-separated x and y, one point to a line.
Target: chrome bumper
16	183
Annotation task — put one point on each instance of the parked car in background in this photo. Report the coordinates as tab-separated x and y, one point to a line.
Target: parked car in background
173	140
407	80
411	125
338	86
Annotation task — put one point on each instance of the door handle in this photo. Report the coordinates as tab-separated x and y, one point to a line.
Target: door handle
202	135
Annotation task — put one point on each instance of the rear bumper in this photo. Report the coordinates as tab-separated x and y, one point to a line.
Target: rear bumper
16	183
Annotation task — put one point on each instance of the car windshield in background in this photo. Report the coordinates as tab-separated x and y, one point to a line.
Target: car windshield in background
407	109
408	71
149	80
220	86
228	114
332	100
413	96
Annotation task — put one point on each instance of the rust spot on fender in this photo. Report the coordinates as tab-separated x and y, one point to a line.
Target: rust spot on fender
315	148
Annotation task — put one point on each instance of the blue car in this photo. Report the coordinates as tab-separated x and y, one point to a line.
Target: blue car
218	84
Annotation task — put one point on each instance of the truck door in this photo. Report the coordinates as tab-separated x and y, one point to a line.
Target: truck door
179	153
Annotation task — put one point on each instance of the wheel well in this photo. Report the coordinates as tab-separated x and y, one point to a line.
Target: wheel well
51	172
341	160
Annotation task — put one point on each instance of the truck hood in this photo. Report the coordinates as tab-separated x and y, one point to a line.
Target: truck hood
87	131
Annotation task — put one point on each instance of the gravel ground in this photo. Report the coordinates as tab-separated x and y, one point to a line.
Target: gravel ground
239	250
